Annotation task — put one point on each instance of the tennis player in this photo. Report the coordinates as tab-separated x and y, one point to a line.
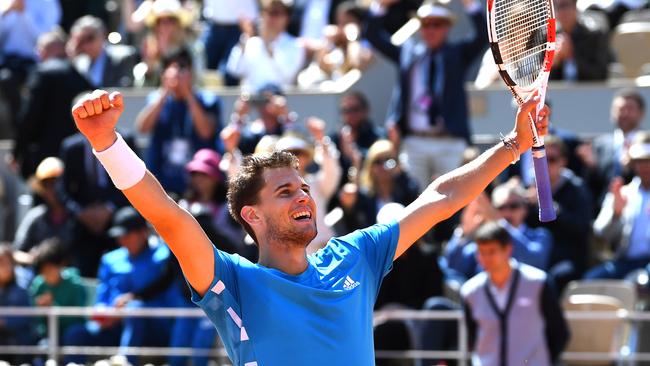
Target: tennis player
289	308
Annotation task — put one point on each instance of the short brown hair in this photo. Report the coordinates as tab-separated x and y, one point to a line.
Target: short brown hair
245	186
633	94
492	231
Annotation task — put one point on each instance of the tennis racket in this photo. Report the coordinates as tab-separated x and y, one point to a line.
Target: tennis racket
522	40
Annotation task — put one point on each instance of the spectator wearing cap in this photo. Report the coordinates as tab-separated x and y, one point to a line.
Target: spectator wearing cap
51	218
181	120
429	107
270	55
104	65
624	218
207	188
324	182
169	28
140	261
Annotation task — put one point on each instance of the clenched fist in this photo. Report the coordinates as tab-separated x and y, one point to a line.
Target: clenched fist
96	115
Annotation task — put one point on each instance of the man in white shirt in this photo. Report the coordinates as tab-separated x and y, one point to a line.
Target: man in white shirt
271	56
21	23
223	30
624	218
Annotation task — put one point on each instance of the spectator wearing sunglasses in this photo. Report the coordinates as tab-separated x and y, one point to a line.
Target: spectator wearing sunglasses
356	134
104	65
381	181
509	206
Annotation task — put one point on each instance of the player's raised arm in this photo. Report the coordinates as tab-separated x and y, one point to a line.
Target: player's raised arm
452	191
96	116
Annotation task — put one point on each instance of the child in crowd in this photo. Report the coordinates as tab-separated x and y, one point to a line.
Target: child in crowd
55	284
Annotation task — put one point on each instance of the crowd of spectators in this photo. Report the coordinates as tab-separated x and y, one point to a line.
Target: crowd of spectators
81	227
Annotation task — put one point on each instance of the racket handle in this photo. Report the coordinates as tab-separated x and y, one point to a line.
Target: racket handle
544	196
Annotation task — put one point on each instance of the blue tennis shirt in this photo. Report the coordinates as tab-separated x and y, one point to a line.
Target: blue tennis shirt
321	317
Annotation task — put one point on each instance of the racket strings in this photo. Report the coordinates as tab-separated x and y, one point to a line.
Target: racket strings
520	27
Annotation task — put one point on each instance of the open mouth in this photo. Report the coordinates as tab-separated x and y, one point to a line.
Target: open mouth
301	216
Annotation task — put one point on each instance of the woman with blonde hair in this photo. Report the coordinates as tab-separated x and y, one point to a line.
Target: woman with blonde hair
169	29
381	181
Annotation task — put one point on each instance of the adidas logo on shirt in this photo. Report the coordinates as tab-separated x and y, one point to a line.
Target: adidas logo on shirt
350	284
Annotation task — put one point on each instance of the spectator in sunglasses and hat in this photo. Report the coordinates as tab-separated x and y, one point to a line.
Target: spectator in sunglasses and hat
49	219
429	109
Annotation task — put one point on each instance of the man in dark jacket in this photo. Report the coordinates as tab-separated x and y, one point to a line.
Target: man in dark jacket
45	120
583	46
429	106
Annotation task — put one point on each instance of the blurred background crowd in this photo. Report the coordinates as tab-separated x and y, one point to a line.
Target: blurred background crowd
81	244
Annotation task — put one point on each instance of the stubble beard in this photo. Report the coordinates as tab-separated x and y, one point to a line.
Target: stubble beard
290	235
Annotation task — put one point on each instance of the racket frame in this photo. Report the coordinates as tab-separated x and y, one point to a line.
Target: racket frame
544	196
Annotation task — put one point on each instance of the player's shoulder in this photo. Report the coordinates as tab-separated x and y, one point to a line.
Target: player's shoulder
472	285
370	234
531	273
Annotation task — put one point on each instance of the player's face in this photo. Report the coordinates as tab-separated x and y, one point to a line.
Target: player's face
626	113
434	31
289	211
492	256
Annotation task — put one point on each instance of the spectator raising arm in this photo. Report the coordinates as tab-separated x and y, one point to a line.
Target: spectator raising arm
96	116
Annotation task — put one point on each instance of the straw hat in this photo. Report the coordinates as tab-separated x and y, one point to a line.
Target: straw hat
640	148
168	8
435	10
206	161
50	167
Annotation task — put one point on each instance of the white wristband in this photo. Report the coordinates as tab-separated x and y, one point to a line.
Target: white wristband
124	167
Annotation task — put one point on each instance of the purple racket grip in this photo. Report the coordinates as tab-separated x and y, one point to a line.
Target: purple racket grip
544	197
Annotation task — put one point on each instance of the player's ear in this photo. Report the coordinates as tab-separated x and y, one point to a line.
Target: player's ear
251	215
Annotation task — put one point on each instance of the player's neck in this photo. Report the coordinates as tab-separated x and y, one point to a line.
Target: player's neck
500	277
286	258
